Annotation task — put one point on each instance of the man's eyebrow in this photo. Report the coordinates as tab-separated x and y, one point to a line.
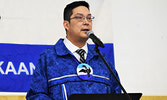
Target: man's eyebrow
82	14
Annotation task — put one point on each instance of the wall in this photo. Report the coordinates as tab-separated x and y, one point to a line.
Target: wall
140	37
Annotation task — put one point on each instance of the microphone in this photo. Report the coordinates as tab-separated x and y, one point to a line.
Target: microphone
95	39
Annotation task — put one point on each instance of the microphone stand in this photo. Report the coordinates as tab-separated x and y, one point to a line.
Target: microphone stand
97	50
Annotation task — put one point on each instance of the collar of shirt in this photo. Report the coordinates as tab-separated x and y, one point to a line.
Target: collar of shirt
72	48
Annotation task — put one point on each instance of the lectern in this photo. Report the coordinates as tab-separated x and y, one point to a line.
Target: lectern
133	96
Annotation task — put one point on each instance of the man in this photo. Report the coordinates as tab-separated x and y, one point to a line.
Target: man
62	69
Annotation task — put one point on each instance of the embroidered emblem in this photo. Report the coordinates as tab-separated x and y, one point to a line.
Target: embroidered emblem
84	71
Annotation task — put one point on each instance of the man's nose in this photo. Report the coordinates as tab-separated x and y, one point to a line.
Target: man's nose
85	21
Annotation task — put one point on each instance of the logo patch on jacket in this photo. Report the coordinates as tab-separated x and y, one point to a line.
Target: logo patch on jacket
84	71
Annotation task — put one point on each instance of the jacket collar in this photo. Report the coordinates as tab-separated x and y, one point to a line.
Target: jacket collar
91	52
61	50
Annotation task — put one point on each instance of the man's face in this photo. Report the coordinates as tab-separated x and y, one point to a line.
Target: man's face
76	28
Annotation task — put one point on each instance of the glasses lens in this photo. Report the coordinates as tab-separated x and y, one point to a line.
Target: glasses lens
82	18
90	18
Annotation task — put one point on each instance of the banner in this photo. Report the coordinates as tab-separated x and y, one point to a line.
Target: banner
17	64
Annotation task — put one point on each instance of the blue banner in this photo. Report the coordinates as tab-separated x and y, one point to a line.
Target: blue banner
17	64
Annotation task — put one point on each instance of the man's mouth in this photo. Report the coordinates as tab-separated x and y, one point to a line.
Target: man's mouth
85	30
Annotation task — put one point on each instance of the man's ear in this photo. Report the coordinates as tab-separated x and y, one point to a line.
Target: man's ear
66	24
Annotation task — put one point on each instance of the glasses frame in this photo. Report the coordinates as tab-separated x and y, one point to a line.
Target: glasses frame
81	19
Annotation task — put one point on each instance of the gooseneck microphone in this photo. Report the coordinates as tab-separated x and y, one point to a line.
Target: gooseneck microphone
95	39
98	42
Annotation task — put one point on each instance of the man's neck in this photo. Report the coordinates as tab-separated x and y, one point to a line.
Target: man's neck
79	44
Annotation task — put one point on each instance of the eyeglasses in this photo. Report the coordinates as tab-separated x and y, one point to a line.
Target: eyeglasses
82	18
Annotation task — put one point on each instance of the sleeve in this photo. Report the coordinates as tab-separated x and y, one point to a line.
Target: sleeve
39	85
115	88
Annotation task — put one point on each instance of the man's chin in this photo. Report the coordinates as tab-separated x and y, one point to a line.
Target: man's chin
84	33
84	38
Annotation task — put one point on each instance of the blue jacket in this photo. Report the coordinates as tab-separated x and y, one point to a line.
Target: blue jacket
55	76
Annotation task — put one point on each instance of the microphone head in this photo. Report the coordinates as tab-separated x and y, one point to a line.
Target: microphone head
89	33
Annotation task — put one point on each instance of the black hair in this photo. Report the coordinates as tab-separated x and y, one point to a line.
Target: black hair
68	9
